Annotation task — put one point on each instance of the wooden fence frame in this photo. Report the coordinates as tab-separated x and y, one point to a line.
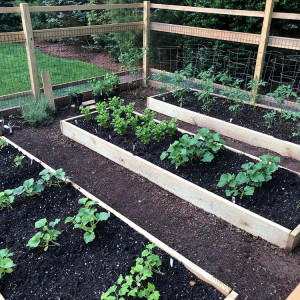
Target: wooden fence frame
263	40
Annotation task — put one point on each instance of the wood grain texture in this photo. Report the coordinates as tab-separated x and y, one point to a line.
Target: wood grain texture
228	211
48	92
295	295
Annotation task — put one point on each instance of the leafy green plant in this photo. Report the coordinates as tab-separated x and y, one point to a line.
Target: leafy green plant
161	77
103	117
3	143
47	236
86	112
6	198
270	118
30	188
147	117
97	87
189	148
120	125
297	133
6	263
38	112
87	219
253	176
253	86
133	122
159	131
46	177
115	103
144	132
133	285
287	115
172	126
18	160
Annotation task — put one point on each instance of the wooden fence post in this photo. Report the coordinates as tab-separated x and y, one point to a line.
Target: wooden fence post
146	42
48	88
29	42
263	44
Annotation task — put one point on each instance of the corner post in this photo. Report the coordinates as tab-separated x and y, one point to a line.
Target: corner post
263	44
29	42
146	42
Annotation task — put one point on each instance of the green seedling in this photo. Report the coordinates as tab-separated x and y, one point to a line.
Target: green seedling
3	143
270	118
115	103
103	117
30	188
144	132
159	131
86	112
6	198
18	160
297	133
133	285
46	176
47	237
171	127
87	219
120	125
6	263
161	77
59	176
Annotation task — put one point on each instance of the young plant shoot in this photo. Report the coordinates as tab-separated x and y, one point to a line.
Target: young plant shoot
6	198
6	263
18	160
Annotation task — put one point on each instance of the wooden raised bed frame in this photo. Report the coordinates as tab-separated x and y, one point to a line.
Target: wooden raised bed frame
200	273
208	201
239	133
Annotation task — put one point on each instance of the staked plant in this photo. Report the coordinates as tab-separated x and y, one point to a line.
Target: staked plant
86	112
253	176
6	263
18	160
6	198
47	236
87	219
133	285
3	143
189	148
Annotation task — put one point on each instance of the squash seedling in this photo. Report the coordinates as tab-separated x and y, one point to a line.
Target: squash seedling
6	198
132	285
29	188
87	219
18	160
47	237
6	263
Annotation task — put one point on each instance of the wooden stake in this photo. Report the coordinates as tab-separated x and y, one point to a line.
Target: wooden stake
29	42
263	44
146	41
48	88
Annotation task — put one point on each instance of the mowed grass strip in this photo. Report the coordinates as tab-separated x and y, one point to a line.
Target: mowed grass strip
14	74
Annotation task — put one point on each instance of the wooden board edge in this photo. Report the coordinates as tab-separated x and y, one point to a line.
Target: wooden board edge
10	111
295	295
232	296
218	201
294	239
262	140
199	272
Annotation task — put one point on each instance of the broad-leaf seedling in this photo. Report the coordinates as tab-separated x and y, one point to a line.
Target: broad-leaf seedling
18	160
6	198
6	263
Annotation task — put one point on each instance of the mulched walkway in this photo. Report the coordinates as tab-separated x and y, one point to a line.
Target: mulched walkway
254	268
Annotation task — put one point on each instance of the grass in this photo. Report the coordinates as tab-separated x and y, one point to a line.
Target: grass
14	75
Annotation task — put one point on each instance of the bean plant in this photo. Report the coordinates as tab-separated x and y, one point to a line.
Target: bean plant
253	176
189	148
47	236
6	263
87	219
6	198
133	285
18	160
86	112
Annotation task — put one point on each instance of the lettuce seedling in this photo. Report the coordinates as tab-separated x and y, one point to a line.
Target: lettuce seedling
87	219
47	237
3	143
6	198
18	160
6	263
86	112
133	285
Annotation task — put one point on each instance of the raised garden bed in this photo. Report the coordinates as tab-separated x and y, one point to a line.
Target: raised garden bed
249	127
76	270
102	141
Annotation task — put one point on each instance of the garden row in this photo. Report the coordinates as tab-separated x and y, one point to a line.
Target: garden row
234	112
245	191
110	261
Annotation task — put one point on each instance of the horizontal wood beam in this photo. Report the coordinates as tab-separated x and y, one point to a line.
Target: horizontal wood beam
248	38
12	37
282	42
9	10
85	30
230	12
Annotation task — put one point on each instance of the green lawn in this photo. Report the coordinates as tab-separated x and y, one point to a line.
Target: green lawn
14	75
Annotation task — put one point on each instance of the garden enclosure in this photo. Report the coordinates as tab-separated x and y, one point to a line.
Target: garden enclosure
74	55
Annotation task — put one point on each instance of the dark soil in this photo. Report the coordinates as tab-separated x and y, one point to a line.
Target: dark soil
254	268
276	200
246	117
76	270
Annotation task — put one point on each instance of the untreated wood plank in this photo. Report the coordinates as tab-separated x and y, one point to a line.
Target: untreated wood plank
295	295
232	296
10	111
45	34
146	42
200	273
48	92
9	10
83	7
294	238
12	37
32	65
228	211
